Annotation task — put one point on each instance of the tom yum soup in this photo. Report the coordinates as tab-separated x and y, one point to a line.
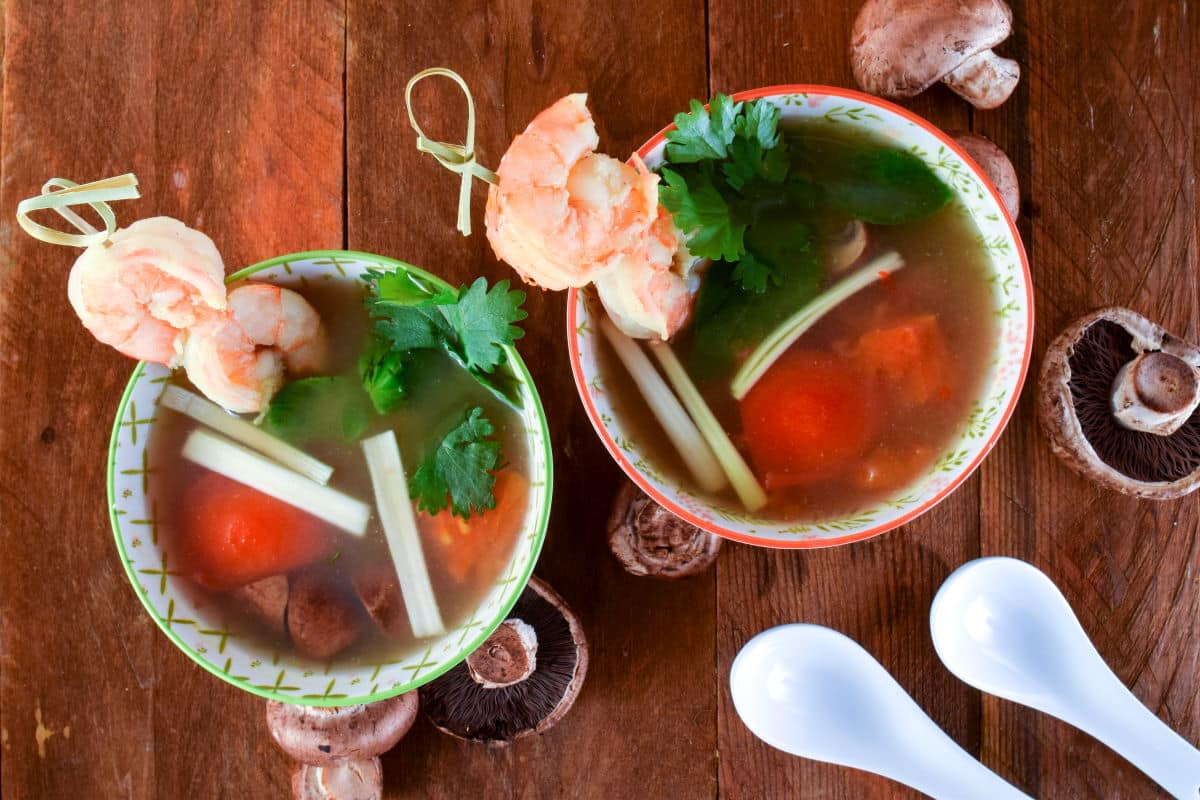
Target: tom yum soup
816	312
341	468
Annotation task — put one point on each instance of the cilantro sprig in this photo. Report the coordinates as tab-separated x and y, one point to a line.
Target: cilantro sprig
472	324
458	473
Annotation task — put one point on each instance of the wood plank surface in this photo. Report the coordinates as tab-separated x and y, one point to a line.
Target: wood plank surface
232	119
279	128
877	592
1103	130
643	726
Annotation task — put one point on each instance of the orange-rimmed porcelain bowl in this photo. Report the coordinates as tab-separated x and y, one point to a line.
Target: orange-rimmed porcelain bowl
1013	317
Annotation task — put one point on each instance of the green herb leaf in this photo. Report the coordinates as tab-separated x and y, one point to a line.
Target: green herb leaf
472	325
484	321
702	133
754	274
459	471
383	372
702	213
310	408
757	150
885	187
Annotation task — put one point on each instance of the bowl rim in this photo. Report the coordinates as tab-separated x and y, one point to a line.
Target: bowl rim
540	524
1002	421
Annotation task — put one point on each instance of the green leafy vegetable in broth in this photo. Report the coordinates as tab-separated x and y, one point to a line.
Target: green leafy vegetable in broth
309	408
885	187
472	325
458	473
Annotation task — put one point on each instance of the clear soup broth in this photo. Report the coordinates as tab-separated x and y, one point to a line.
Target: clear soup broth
902	414
465	558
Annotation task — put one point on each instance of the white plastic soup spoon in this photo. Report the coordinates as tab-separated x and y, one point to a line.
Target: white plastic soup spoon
812	692
1003	627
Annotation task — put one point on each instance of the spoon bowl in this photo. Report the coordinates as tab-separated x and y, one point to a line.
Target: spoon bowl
1003	627
813	692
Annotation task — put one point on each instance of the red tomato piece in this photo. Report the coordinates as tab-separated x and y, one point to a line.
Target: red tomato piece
911	358
233	535
481	544
807	419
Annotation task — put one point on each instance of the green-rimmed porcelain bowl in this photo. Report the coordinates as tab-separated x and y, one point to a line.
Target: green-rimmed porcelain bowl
1012	291
216	643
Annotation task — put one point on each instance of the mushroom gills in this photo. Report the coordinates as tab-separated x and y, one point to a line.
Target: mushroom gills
1078	378
459	702
1156	393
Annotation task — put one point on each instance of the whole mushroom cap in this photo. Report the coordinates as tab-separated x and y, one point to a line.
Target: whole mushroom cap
462	704
649	540
325	736
899	48
996	166
1080	377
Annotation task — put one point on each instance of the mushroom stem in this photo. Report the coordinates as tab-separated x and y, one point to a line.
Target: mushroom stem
1155	393
507	657
985	80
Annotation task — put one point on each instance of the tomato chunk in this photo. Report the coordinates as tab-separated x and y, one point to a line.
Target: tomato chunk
233	535
479	545
807	419
910	358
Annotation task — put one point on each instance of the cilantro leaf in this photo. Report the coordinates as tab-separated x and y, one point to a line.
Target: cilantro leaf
703	133
398	286
754	274
310	408
757	149
472	325
384	375
458	472
483	320
702	213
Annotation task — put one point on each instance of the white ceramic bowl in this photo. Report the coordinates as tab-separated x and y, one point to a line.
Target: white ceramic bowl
1013	304
218	645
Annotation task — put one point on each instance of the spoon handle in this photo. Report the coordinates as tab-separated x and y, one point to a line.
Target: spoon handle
1118	719
950	773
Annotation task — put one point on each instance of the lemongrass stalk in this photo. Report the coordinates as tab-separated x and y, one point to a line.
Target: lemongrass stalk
212	415
795	326
680	428
247	467
403	537
744	483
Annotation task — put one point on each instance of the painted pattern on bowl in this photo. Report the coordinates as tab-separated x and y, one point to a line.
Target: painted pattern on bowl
1013	310
216	643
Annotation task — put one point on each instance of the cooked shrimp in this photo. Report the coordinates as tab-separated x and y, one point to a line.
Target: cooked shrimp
650	292
238	359
562	214
142	289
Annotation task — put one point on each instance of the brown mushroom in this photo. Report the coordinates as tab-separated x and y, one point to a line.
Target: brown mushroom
1119	402
996	166
846	246
266	600
379	591
321	619
649	540
326	736
358	779
522	680
899	48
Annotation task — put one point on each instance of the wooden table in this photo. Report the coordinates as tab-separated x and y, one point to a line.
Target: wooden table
283	130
